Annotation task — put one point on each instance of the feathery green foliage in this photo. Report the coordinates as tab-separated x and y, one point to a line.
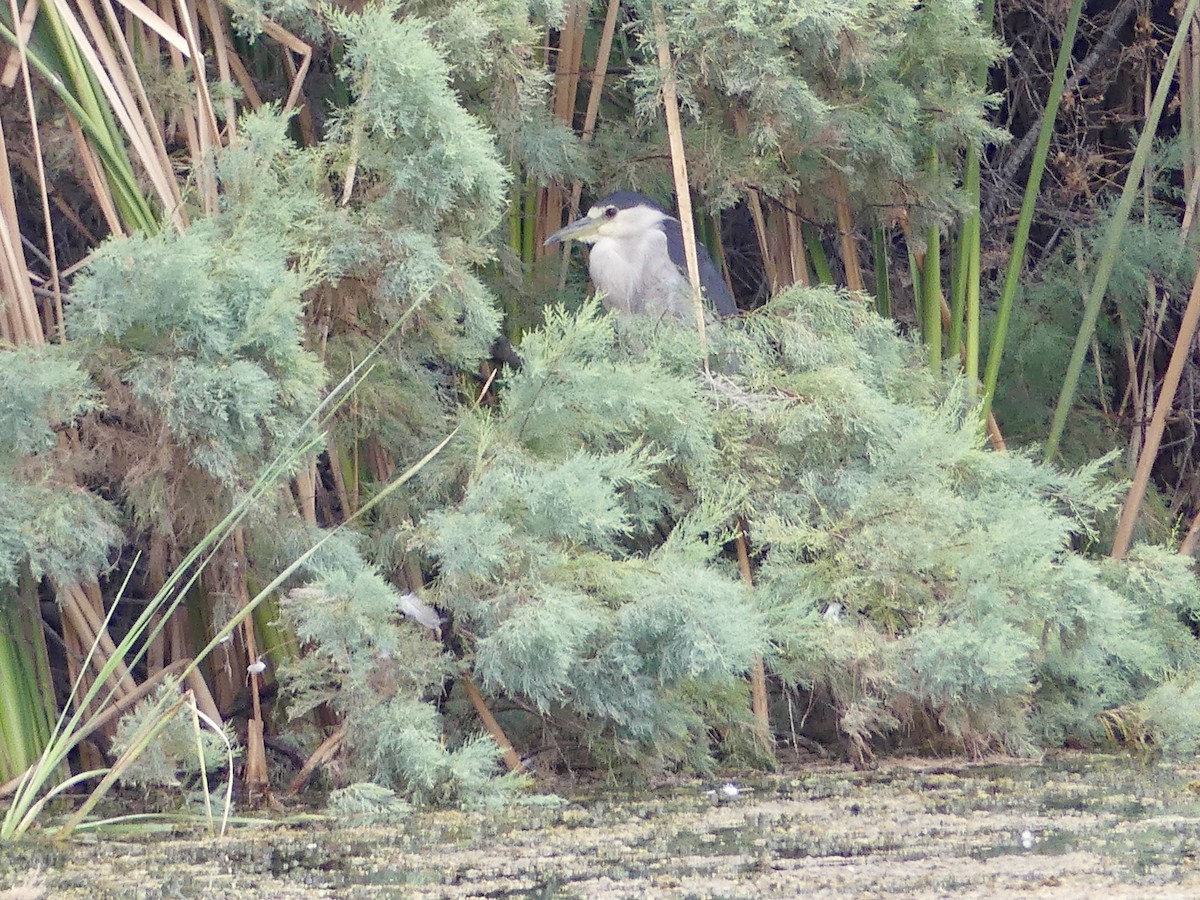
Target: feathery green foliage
866	89
211	343
171	759
552	559
918	586
916	576
54	528
367	803
367	662
918	581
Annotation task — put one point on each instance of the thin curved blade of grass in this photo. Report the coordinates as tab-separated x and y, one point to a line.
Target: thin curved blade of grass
1037	167
1112	237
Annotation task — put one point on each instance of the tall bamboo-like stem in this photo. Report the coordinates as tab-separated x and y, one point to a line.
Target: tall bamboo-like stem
566	86
215	21
43	190
764	242
101	67
599	72
326	751
529	243
1183	342
845	223
795	232
255	775
758	671
787	243
511	758
1112	239
19	321
305	484
679	168
1188	546
822	271
25	714
966	261
970	237
971	339
1016	260
883	287
931	282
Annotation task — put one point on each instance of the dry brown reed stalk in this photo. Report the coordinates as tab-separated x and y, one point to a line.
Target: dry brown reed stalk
845	224
1188	546
96	183
683	192
511	758
1189	95
215	22
764	241
1189	115
1189	108
758	680
798	257
356	136
202	115
754	202
76	651
204	697
156	574
20	323
340	491
16	55
306	491
1166	399
245	82
325	752
1152	439
568	59
782	228
86	600
379	464
255	777
599	72
758	670
43	189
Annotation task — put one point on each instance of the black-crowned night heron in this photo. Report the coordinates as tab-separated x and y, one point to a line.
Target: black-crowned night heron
637	260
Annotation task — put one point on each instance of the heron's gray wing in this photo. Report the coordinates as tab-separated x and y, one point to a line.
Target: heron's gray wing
714	285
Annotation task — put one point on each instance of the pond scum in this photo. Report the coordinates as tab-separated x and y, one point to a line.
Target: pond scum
1075	826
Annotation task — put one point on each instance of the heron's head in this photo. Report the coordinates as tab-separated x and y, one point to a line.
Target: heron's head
623	215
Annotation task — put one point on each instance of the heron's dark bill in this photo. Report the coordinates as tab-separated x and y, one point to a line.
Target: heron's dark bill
582	229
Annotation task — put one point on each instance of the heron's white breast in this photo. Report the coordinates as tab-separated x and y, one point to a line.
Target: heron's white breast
636	275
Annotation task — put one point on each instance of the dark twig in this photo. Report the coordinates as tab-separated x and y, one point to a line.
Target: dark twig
1081	71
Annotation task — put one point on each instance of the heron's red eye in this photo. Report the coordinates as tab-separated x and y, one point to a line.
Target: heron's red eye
611	212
